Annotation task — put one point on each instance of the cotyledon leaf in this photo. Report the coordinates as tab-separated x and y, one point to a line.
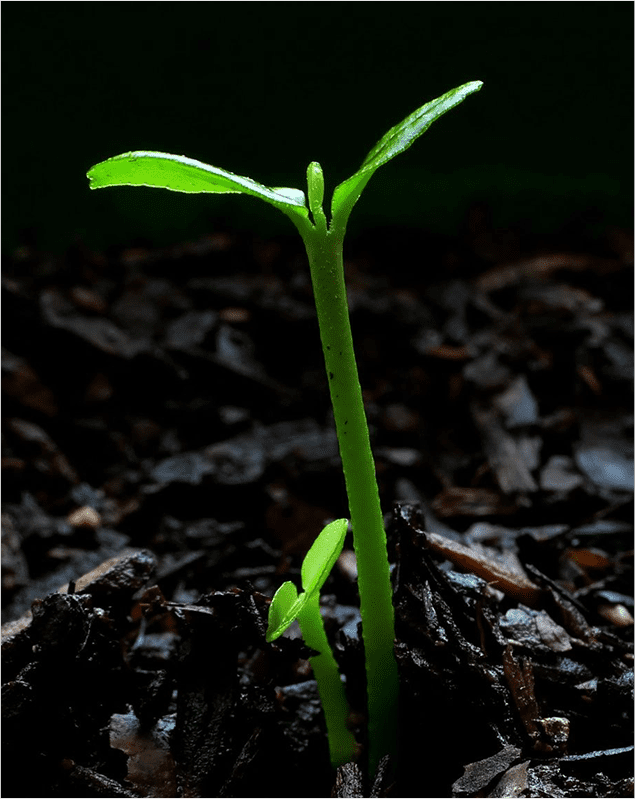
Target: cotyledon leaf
395	141
282	611
320	559
286	605
179	173
401	136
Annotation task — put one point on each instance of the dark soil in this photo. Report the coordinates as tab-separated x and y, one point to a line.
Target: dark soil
169	457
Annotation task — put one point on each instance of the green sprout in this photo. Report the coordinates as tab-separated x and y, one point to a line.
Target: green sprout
324	240
286	606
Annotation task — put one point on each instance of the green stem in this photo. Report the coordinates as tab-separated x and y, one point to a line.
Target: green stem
324	249
342	744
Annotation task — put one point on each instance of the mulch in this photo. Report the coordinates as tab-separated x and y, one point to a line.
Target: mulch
169	457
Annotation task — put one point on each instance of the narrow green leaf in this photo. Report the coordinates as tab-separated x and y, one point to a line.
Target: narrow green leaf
320	559
282	611
396	140
404	134
178	173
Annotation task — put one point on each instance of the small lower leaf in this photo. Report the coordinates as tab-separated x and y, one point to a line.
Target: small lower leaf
320	559
282	611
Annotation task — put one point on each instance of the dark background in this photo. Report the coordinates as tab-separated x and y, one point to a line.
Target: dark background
262	89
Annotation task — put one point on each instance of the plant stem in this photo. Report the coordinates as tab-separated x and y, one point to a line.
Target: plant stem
342	744
324	249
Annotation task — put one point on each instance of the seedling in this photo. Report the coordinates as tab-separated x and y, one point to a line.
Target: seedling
324	240
287	606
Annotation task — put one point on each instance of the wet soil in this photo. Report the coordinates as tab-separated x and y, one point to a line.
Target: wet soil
169	456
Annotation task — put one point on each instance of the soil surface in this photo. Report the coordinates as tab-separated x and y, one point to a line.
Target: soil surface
169	457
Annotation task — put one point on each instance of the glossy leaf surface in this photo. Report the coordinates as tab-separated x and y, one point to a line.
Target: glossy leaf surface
395	141
179	173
